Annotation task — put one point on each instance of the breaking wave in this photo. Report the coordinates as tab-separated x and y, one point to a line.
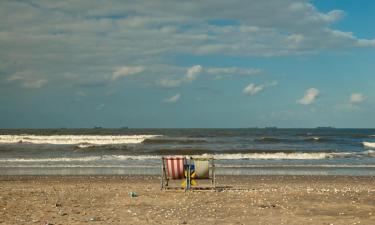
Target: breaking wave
278	155
174	140
83	159
369	144
253	156
271	140
370	153
82	141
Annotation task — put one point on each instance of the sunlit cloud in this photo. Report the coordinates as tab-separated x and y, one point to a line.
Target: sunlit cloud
356	98
253	89
193	72
309	97
126	71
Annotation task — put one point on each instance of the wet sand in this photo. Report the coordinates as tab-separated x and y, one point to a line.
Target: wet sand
251	200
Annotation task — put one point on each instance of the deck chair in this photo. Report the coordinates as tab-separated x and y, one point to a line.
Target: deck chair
172	169
203	169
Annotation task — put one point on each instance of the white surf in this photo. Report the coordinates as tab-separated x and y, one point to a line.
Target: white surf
369	144
83	141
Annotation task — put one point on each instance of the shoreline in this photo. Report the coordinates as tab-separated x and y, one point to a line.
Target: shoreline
270	199
251	170
154	176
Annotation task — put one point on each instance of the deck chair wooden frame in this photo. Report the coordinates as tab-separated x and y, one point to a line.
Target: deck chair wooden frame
210	174
172	169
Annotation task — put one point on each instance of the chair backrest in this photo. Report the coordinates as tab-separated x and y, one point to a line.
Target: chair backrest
202	168
175	167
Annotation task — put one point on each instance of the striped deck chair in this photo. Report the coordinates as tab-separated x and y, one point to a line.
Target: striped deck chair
172	169
204	169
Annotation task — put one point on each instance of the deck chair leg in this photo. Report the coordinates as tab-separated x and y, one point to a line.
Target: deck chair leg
213	175
164	182
188	177
162	174
162	179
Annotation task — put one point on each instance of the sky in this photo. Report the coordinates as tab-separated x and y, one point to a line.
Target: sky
187	64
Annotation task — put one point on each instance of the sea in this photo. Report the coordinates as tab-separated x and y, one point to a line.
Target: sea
253	151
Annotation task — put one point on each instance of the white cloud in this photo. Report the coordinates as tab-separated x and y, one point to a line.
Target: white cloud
356	98
28	79
252	89
310	96
173	99
366	43
126	71
193	72
233	71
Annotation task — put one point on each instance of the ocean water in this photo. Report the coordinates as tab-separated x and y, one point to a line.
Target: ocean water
236	151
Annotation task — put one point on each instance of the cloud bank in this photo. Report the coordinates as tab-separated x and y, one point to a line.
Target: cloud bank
91	38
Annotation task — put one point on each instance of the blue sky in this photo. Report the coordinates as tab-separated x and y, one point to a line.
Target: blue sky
285	63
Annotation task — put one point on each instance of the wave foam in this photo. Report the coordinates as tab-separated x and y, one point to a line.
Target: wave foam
174	140
61	159
370	153
279	155
156	157
83	141
369	144
82	159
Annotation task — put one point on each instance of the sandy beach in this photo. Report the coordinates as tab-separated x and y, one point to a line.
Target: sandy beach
251	200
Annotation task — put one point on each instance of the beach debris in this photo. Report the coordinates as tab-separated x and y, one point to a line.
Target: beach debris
94	219
264	206
58	204
133	194
48	223
62	213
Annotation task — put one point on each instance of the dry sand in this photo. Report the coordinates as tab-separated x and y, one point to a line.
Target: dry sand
255	200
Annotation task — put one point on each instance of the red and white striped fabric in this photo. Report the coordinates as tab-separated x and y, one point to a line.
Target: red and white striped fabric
175	167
